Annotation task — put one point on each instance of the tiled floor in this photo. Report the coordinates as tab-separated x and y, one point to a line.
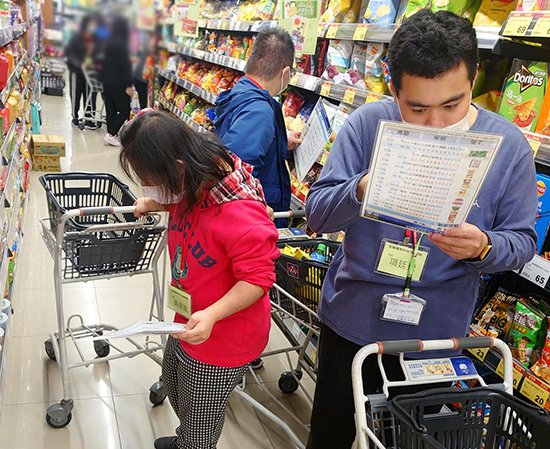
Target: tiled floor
112	409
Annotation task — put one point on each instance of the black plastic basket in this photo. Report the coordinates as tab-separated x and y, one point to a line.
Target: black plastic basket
65	191
476	418
99	253
303	279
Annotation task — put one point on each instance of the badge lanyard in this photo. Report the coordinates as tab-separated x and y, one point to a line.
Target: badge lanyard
416	240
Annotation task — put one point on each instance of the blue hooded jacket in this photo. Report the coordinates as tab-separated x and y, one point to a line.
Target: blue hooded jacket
250	123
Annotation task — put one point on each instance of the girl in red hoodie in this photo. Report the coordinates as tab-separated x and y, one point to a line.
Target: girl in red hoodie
222	248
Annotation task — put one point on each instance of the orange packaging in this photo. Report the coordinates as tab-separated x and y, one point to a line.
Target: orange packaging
543	125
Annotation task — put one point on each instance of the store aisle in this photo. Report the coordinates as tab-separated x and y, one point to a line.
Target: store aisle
112	409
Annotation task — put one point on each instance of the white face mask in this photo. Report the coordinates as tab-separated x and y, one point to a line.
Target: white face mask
283	84
157	193
462	125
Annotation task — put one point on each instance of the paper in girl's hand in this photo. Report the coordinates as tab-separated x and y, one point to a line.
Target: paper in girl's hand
144	328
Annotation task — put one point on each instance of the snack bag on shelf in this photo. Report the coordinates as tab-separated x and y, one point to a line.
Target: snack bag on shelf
302	64
374	71
489	100
381	11
525	331
543	124
338	59
412	7
355	75
496	317
180	100
458	7
336	11
494	12
353	13
292	104
541	368
266	9
318	60
524	93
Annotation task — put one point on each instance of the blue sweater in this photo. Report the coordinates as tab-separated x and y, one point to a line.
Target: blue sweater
250	123
505	208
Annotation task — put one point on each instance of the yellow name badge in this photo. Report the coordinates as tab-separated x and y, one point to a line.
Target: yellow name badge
179	301
395	257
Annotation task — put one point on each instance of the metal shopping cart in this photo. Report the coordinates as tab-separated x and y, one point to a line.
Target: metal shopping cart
444	418
294	300
92	234
94	93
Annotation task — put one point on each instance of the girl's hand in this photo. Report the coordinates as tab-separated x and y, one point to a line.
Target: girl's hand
145	206
199	327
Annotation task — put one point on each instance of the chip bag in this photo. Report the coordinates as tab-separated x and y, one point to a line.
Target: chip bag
356	72
353	13
543	123
494	12
381	11
541	368
338	59
497	314
374	72
525	331
413	6
336	11
292	104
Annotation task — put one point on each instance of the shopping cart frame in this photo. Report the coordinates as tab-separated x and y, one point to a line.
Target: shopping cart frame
60	414
364	432
93	87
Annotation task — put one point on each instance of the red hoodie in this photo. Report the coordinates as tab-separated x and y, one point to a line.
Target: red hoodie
233	240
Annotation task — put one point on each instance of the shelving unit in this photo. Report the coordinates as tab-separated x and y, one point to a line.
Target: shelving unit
183	117
199	92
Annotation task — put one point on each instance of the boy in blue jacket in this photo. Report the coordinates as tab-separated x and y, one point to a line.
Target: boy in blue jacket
249	121
433	60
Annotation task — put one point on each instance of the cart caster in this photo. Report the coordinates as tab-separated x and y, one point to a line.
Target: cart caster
102	348
288	383
48	346
157	393
57	416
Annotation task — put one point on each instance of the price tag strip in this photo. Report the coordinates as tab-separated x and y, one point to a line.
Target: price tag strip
535	390
349	95
360	32
542	26
332	31
479	353
536	271
518	23
518	372
325	89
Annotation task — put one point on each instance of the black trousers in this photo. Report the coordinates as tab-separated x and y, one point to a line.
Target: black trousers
117	108
332	419
141	89
79	94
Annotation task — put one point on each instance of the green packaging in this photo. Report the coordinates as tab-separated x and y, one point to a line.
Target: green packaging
525	331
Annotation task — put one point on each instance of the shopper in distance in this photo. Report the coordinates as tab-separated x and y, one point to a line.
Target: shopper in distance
220	274
433	59
250	121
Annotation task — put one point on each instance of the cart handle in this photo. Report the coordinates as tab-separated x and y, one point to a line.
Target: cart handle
105	210
290	214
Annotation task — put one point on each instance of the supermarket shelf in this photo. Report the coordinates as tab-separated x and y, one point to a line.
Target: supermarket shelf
347	94
537	271
183	117
226	61
205	95
487	37
237	25
358	31
13	78
533	25
11	33
541	147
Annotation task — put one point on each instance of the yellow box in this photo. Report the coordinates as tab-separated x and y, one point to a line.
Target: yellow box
46	163
48	145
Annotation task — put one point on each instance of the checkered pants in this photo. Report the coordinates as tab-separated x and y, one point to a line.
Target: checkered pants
199	394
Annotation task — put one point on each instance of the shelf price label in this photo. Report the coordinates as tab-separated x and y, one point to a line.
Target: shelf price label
517	24
360	32
349	95
535	390
536	271
332	31
325	89
518	372
479	353
372	97
294	79
542	27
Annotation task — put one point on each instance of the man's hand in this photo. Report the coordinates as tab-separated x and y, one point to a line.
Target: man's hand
199	327
145	206
270	213
465	242
294	139
362	186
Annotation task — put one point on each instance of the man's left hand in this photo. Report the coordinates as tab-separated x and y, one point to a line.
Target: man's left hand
464	242
294	140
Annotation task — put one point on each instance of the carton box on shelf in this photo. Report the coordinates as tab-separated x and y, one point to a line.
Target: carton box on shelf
46	163
48	145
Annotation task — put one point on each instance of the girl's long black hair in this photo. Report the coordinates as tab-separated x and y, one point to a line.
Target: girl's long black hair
152	144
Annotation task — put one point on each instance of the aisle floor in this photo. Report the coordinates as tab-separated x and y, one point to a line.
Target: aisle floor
112	409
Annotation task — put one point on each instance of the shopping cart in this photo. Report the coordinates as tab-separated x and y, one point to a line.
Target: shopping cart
94	93
444	418
294	300
92	234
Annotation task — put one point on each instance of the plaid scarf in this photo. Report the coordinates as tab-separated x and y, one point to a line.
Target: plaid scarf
238	185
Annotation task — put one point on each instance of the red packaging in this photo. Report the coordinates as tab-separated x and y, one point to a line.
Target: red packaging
4	70
5	113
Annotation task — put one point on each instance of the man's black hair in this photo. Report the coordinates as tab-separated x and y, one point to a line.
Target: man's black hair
273	50
430	44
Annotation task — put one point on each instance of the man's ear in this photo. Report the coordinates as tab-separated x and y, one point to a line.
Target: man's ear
393	91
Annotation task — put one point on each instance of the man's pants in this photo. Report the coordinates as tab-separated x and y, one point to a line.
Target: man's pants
117	108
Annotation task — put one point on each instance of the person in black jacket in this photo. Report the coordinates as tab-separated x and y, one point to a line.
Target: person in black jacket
116	76
82	45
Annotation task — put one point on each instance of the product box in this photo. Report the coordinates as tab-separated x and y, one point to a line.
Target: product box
46	163
543	209
523	93
48	145
543	123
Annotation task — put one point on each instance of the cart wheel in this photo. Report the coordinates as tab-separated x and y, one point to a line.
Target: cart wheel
48	346
288	383
57	416
102	348
81	126
157	393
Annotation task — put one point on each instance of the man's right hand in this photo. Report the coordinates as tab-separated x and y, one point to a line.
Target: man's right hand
145	206
362	186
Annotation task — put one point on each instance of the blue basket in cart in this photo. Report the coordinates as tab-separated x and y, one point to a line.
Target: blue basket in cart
104	252
475	418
